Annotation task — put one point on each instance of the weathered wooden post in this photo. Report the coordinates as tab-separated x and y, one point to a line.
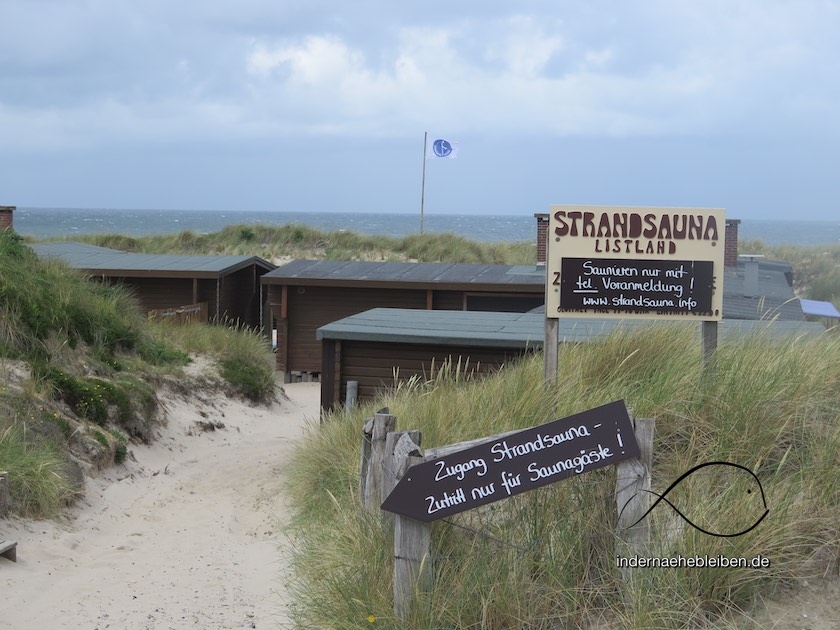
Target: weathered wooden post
551	340
352	394
394	456
412	539
372	470
633	497
709	350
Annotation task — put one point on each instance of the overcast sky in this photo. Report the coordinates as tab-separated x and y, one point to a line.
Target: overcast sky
320	105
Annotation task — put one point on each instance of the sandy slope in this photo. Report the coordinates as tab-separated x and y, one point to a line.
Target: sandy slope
184	536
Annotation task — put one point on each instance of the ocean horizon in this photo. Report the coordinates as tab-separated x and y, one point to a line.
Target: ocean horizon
50	223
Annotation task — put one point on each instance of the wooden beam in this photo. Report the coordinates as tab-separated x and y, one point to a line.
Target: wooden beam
328	384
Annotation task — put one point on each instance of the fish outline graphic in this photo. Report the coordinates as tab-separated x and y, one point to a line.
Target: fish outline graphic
662	497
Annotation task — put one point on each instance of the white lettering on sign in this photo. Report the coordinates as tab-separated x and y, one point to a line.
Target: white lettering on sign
446	501
460	469
578	464
502	451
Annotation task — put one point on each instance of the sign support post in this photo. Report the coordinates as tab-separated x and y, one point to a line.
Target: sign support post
550	344
710	342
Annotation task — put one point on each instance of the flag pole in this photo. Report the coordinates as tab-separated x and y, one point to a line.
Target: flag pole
423	187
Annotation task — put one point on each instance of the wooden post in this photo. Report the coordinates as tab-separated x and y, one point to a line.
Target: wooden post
412	539
328	385
633	497
383	424
550	342
4	494
710	342
352	394
364	469
398	446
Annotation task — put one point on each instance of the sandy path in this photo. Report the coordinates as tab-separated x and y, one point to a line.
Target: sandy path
188	535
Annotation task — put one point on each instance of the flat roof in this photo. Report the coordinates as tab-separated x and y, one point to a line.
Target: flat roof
111	262
775	296
525	278
818	308
512	330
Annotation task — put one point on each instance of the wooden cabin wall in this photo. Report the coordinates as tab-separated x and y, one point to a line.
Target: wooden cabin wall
240	296
374	364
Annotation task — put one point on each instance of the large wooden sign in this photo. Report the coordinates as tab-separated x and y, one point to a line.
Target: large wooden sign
624	262
515	463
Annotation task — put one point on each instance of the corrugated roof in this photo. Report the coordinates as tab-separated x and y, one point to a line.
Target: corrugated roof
396	274
110	262
511	330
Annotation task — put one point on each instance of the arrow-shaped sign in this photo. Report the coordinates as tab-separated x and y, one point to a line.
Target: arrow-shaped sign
515	463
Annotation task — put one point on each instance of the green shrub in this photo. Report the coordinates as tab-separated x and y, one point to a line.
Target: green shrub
252	378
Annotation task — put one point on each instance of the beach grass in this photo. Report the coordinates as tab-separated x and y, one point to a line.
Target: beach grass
301	241
816	268
545	559
243	355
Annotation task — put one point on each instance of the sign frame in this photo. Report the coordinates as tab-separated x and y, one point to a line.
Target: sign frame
625	245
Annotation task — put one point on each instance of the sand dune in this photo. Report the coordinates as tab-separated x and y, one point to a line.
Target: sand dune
186	534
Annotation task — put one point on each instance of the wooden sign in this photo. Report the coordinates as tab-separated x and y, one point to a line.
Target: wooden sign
515	463
635	262
664	286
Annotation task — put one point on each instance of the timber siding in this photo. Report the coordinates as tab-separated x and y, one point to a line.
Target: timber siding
305	295
230	285
309	308
378	365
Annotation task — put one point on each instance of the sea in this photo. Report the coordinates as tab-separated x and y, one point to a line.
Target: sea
46	223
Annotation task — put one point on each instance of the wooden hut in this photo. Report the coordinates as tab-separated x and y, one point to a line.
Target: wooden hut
228	285
305	294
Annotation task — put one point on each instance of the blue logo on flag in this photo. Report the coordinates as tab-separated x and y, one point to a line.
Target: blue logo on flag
442	148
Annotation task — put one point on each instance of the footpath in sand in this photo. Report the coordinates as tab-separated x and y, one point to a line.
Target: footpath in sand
186	534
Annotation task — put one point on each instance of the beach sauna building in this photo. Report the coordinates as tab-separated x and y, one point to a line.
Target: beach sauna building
227	287
304	295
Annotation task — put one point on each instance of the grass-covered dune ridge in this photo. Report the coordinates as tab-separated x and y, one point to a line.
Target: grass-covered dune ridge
816	268
301	241
545	559
81	365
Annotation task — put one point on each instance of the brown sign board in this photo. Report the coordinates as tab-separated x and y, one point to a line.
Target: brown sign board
516	463
664	286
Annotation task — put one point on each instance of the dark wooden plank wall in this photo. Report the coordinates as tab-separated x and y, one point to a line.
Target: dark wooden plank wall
316	306
448	300
162	292
306	311
373	364
240	296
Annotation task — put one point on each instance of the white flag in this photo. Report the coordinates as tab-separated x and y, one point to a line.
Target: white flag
438	147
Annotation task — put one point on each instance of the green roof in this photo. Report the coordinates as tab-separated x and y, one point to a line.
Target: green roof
111	262
511	330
